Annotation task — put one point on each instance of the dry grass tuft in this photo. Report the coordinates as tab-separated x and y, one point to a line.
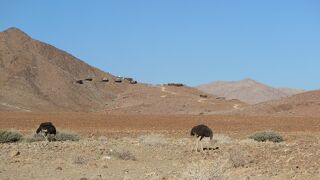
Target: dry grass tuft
203	170
197	170
60	136
267	136
79	160
239	158
122	154
66	136
8	136
34	138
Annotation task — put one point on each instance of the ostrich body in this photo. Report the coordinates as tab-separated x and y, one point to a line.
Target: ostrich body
200	132
46	128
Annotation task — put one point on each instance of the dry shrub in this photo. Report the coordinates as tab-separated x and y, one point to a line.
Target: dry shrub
203	170
197	170
7	136
122	154
60	136
239	158
34	138
66	136
79	160
267	136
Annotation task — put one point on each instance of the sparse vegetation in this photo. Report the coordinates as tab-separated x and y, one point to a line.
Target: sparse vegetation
197	170
220	139
79	160
239	158
66	136
153	139
267	136
39	137
203	170
123	155
60	136
7	136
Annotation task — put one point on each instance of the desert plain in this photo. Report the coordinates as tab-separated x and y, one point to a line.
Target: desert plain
135	146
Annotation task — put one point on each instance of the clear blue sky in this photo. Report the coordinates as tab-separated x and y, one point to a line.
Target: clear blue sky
273	41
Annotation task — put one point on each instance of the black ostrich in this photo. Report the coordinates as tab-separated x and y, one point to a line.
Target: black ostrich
200	132
46	128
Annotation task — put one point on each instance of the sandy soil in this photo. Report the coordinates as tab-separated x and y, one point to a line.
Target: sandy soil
104	123
117	146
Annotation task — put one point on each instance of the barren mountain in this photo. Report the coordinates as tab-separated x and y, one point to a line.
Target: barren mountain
246	90
304	104
35	76
291	91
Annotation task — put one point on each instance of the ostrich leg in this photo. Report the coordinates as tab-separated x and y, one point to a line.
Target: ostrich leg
45	143
201	145
46	138
197	143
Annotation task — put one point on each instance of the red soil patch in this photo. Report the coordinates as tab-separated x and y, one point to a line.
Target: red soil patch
102	123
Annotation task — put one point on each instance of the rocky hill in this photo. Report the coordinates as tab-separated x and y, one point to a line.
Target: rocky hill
247	90
166	99
35	76
304	104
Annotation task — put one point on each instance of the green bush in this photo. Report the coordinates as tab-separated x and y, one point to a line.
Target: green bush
7	136
267	136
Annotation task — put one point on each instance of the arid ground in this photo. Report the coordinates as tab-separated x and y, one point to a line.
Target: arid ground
132	146
133	130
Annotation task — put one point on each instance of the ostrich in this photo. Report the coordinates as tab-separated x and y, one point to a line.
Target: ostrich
200	132
45	129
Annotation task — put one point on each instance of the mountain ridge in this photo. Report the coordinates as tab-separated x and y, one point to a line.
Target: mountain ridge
42	74
303	104
246	90
36	76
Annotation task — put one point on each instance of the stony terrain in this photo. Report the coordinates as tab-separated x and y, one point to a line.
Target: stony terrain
120	146
162	156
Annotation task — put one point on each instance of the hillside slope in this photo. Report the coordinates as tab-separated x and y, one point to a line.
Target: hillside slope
37	76
164	99
304	104
246	90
